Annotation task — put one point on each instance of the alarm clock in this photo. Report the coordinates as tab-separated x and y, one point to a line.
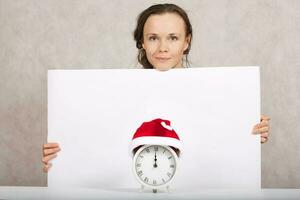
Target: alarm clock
155	166
155	147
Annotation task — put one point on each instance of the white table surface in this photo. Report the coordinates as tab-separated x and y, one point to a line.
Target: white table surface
7	192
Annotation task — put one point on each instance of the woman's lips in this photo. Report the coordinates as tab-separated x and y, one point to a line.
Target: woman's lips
162	59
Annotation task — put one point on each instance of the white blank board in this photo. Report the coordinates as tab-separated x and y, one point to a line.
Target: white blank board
93	115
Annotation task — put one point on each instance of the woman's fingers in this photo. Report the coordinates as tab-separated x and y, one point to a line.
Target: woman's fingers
265	134
262	124
46	159
47	167
50	145
261	130
50	148
51	151
264	117
263	139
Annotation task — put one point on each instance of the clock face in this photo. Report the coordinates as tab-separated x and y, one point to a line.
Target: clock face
155	165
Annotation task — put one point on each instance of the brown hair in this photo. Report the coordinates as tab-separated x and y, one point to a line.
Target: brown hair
139	31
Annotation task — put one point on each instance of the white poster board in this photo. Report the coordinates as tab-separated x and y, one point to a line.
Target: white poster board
93	115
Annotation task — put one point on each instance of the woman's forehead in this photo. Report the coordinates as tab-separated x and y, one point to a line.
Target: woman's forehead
164	24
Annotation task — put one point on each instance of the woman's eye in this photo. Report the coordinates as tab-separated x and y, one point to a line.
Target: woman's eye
152	38
174	38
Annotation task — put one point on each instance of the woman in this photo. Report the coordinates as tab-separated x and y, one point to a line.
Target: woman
163	37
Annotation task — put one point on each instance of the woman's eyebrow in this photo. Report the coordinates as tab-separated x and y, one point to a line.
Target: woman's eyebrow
151	34
174	34
155	34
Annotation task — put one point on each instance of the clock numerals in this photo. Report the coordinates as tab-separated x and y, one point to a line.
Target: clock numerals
169	174
155	165
154	182
140	173
146	179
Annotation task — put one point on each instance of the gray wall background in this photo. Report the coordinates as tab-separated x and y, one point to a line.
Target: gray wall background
39	35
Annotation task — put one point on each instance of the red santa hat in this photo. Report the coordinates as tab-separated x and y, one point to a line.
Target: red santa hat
157	131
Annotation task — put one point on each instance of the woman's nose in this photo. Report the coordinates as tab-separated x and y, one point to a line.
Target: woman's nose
163	46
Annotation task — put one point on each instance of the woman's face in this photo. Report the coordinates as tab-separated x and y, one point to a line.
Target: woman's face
165	40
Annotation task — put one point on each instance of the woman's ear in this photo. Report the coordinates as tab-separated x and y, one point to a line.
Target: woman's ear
143	45
187	42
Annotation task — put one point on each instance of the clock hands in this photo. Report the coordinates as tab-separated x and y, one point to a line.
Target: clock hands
155	165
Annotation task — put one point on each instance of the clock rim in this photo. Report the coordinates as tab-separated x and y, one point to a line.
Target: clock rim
152	186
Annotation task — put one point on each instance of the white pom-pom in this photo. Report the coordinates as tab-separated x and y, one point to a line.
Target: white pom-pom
166	126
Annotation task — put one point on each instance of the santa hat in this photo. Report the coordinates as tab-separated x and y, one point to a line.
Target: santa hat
157	132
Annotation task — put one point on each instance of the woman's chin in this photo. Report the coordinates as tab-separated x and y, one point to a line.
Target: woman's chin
163	67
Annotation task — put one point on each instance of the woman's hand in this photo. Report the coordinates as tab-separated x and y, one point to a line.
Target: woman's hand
262	128
49	152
